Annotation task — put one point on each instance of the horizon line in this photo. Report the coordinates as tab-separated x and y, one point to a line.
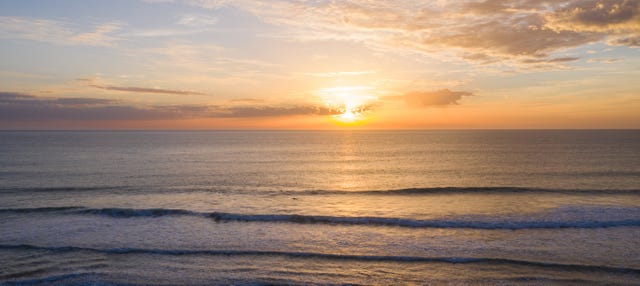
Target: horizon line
307	130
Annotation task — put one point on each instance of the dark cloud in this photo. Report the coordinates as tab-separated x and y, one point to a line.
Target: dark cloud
37	111
599	15
520	37
248	100
21	98
271	111
7	97
633	41
24	107
84	101
441	97
145	90
549	61
187	110
616	20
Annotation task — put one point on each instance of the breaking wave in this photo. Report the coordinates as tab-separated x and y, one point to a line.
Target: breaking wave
582	218
379	258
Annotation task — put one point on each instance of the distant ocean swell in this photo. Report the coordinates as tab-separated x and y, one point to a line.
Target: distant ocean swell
409	191
88	276
488	222
377	258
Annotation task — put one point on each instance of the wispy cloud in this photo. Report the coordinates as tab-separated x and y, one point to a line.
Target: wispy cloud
270	111
145	90
18	98
80	101
553	60
342	73
443	97
101	36
194	20
57	32
247	100
603	60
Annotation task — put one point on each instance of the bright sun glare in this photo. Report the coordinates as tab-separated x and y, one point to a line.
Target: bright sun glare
351	101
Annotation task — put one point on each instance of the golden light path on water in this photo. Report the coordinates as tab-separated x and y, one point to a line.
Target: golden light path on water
351	101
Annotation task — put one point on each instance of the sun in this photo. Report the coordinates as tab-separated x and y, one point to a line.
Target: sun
351	101
347	116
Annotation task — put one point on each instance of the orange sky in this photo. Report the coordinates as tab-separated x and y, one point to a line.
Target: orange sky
319	65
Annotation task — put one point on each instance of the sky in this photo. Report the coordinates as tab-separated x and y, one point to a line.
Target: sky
296	64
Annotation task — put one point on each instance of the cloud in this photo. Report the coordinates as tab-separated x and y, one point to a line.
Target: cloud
554	60
616	20
197	21
342	73
603	60
24	107
21	98
209	4
74	101
519	32
497	30
99	37
609	16
441	97
632	41
145	90
57	32
487	7
523	38
271	111
248	100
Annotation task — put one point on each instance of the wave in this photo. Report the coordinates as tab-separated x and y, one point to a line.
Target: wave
375	258
405	191
56	279
63	189
39	210
496	190
125	213
432	223
476	222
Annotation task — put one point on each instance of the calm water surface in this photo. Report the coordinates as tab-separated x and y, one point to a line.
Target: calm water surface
295	207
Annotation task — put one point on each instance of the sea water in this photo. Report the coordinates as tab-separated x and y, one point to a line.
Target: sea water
319	207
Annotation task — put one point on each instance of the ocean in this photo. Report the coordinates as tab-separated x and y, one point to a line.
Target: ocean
482	207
